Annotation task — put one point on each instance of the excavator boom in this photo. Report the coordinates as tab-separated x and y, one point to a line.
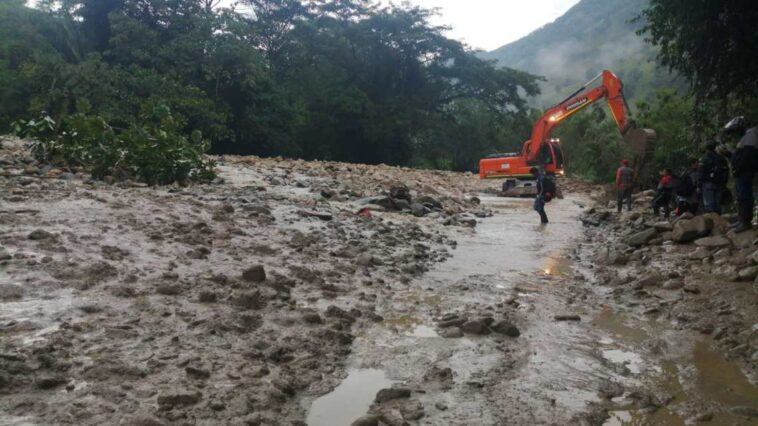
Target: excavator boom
610	89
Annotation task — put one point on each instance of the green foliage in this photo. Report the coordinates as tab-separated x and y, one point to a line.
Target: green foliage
152	151
343	80
712	43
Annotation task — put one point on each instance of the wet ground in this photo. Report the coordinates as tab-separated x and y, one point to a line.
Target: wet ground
267	300
608	368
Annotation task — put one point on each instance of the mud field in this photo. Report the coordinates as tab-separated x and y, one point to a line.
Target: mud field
328	294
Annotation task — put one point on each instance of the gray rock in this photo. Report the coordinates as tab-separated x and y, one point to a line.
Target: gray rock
143	420
674	284
419	210
700	254
254	274
389	394
748	274
685	231
11	291
369	420
452	333
567	318
475	327
169	289
402	205
249	300
466	221
400	192
745	412
430	202
382	201
207	297
506	328
40	234
713	242
174	399
663	226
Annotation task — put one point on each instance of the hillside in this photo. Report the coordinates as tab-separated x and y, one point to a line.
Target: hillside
591	36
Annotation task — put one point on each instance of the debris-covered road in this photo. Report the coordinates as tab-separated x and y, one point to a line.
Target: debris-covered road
292	293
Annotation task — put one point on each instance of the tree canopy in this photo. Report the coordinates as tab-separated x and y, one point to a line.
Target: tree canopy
344	80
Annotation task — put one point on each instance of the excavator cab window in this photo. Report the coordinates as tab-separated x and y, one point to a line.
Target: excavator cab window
558	153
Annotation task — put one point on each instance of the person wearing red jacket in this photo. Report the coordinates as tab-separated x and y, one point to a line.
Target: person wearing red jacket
624	182
663	198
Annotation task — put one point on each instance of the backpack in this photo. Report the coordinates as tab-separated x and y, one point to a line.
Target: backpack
548	189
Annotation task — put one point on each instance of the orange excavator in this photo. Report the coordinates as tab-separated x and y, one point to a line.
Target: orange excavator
543	151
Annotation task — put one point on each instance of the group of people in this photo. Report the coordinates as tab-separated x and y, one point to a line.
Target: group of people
703	187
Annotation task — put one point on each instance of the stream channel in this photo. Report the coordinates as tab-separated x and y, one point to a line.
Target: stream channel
611	367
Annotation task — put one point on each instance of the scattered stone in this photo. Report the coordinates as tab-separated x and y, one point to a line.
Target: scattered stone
506	328
170	400
748	274
255	274
700	253
641	238
685	231
40	234
663	226
144	420
745	412
207	297
319	215
389	394
440	406
312	318
452	333
475	327
419	210
11	291
713	242
369	420
169	289
567	318
674	284
50	382
250	300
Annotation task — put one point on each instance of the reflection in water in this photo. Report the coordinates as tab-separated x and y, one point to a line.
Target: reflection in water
348	401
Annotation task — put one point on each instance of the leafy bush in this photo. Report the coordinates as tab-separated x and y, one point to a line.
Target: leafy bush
152	151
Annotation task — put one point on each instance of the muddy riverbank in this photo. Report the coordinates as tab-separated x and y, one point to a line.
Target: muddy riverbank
312	293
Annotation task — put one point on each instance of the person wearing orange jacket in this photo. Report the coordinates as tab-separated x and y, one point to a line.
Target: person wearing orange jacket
624	182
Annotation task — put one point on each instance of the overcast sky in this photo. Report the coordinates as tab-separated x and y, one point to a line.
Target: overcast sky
489	24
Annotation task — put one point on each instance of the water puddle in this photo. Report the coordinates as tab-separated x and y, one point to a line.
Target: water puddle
424	331
632	361
348	401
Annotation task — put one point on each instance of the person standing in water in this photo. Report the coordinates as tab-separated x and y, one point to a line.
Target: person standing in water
545	192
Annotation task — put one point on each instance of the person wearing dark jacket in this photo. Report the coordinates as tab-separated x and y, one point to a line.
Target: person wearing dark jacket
663	197
624	182
544	193
714	175
744	165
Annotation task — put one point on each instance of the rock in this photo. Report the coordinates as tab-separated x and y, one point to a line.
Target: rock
170	400
250	300
452	333
143	420
11	291
254	274
312	318
169	289
506	328
381	201
685	231
567	318
713	242
40	234
440	406
641	238
743	239
700	253
4	255
400	192
663	226
207	297
369	420
475	327
748	274
389	394
402	205
419	210
745	412
429	202
470	222
50	382
320	215
197	373
674	284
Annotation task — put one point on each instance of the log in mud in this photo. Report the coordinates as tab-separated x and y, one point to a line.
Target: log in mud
310	293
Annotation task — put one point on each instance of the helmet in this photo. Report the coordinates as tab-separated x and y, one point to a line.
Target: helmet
736	125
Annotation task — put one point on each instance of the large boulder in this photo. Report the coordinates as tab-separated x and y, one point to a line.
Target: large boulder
713	242
642	238
685	231
743	239
663	226
720	225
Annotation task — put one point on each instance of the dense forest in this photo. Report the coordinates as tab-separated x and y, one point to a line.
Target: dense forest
340	80
151	85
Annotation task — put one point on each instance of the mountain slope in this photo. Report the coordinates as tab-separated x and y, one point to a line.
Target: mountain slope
592	36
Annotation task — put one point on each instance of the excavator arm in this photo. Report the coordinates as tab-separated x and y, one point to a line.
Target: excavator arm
610	89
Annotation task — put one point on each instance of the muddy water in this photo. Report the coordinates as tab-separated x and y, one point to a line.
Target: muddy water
509	255
359	389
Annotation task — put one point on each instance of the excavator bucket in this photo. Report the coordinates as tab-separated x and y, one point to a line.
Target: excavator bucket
642	143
